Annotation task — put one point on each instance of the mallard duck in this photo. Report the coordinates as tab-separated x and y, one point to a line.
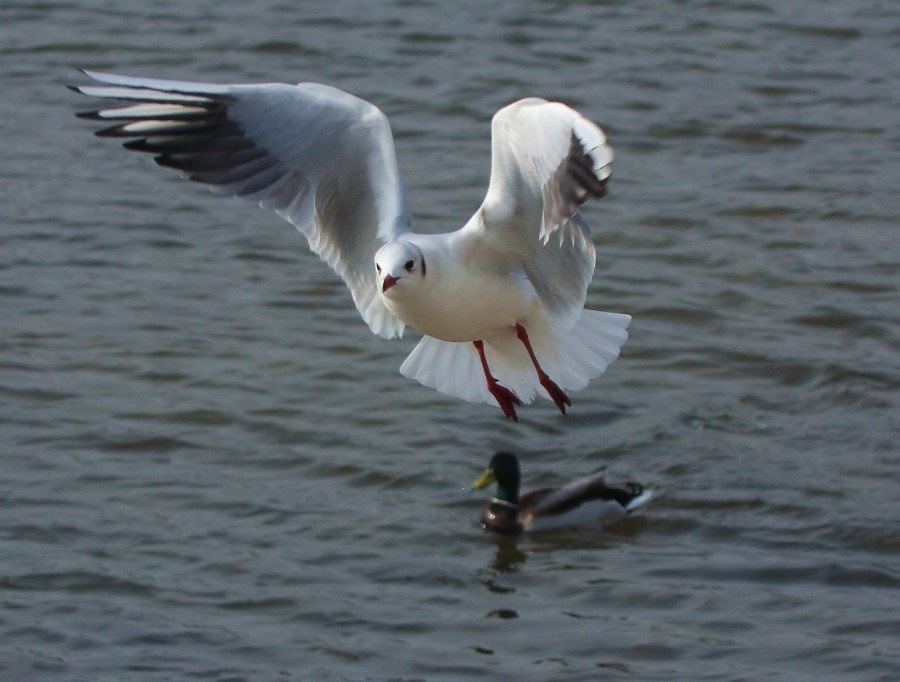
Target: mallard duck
590	501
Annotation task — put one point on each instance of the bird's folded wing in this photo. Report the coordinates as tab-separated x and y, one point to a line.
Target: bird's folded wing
573	494
547	159
322	158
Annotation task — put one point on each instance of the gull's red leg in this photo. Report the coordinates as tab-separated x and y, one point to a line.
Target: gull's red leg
505	397
556	393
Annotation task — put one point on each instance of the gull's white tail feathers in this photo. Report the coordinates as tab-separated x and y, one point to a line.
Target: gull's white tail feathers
571	358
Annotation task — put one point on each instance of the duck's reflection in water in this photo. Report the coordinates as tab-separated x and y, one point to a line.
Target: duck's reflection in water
508	557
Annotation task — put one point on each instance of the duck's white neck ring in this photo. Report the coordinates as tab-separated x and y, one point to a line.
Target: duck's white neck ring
504	503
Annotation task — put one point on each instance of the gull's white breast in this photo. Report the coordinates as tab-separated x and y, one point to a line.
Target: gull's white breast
457	302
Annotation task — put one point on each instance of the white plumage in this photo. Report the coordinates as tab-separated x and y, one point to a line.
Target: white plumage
500	302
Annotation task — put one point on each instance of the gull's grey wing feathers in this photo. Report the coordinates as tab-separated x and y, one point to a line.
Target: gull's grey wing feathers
546	160
320	157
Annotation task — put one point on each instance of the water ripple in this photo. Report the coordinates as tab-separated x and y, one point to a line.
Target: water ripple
211	469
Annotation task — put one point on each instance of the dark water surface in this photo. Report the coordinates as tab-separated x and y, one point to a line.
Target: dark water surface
212	470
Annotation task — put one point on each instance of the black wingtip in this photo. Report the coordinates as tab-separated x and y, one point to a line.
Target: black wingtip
166	161
138	145
114	131
83	72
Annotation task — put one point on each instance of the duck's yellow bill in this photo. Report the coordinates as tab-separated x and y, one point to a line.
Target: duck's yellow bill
485	479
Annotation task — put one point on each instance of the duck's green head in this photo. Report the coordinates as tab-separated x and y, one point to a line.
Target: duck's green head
504	469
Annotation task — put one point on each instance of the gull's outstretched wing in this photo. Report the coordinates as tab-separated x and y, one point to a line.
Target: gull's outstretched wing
547	159
320	157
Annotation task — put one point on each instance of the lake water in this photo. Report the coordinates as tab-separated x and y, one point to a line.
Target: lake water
212	470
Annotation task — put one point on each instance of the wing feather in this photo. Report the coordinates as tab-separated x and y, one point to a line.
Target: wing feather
593	487
547	160
321	158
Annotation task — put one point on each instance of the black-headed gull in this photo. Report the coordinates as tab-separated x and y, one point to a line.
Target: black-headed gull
500	302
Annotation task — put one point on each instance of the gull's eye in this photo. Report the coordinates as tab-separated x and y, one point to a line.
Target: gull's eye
409	265
377	268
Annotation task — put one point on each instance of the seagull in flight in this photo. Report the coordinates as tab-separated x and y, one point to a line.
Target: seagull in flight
499	302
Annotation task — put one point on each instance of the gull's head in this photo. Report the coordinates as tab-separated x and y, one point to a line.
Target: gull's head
397	266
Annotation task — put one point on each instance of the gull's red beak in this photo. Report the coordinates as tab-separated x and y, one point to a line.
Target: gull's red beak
389	281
